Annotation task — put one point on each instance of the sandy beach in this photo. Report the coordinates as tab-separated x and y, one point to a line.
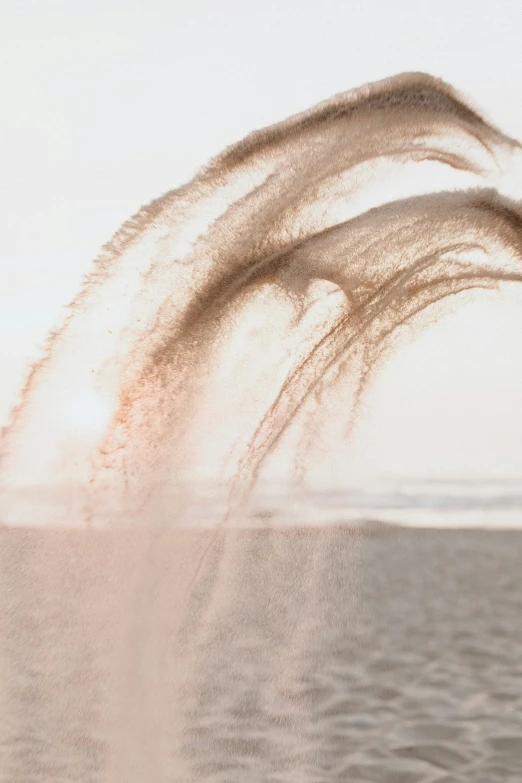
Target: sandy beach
302	655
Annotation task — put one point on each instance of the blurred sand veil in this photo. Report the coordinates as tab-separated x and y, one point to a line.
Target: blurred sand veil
233	320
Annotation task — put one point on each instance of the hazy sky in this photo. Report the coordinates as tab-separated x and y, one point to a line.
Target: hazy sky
107	105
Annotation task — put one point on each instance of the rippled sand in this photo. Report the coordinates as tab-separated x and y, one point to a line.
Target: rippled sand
302	656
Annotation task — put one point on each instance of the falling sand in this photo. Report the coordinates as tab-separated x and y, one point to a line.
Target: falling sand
230	323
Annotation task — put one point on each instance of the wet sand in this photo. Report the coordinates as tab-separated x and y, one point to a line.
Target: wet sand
302	655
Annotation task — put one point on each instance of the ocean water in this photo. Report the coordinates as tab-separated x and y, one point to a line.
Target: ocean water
446	503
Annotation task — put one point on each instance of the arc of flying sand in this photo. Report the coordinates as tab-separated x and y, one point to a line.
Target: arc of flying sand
231	228
261	198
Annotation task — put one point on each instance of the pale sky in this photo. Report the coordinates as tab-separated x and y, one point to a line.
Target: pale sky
106	105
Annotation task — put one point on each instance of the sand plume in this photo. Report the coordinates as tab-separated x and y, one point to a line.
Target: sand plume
327	232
